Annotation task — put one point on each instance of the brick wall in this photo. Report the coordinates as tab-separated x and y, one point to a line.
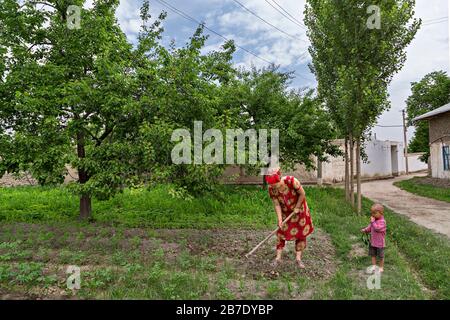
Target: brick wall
439	126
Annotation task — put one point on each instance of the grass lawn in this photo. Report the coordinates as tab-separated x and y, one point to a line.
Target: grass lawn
144	244
426	187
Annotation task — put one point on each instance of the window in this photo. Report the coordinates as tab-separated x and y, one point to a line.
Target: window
446	157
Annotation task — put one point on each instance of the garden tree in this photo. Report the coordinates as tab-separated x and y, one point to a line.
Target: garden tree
85	97
264	101
187	87
432	92
354	64
66	93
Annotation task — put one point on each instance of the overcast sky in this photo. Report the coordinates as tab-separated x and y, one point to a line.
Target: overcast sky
285	42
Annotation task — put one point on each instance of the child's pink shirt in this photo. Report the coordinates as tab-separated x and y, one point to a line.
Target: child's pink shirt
377	231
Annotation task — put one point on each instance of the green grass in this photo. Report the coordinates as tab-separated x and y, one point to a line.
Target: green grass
416	186
40	235
243	207
409	247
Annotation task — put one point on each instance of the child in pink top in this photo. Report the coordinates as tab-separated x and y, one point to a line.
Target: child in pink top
377	230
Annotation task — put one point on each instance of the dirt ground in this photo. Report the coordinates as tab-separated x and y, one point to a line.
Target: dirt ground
430	213
93	248
232	245
435	182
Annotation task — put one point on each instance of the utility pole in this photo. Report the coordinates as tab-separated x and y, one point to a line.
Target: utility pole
405	141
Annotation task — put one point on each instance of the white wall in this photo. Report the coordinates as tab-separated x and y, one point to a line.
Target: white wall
379	159
437	161
414	163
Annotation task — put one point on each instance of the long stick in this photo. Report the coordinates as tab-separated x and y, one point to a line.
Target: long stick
268	237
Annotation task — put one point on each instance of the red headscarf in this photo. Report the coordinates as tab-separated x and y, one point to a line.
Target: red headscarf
274	177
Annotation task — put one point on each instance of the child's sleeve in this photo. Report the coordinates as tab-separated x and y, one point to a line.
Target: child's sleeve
367	229
379	225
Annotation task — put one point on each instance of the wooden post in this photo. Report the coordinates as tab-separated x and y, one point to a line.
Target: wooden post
268	237
358	175
346	182
405	151
352	170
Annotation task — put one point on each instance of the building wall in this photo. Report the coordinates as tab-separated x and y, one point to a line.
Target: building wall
380	154
439	127
379	158
414	163
437	160
439	136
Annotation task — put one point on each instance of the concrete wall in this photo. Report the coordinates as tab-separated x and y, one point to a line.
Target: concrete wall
385	159
380	157
414	163
437	160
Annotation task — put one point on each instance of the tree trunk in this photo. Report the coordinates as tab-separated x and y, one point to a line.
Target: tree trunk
352	185
85	207
346	180
358	175
83	177
319	173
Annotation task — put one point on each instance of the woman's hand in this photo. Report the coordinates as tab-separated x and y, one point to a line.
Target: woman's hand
280	223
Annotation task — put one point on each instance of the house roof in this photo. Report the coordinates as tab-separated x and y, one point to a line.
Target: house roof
433	113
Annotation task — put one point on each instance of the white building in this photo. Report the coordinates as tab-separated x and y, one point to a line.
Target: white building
385	159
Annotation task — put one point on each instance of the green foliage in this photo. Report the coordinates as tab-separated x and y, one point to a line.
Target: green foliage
430	93
407	247
415	256
354	64
89	99
264	101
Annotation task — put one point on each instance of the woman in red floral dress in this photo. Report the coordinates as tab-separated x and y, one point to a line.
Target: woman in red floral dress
288	196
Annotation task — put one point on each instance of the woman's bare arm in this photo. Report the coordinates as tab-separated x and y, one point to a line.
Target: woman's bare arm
276	205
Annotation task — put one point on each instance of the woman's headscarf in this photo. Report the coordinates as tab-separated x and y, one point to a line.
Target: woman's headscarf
273	176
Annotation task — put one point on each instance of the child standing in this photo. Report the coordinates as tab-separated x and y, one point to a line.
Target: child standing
377	230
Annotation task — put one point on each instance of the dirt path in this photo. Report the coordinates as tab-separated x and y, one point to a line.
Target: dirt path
430	213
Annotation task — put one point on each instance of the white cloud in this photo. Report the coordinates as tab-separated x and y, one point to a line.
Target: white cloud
428	52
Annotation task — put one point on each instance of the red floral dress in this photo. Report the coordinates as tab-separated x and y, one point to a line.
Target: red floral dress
300	225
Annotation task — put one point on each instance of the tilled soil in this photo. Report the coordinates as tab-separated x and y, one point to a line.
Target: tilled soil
231	246
226	248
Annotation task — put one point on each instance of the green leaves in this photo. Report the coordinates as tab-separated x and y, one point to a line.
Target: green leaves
432	92
355	64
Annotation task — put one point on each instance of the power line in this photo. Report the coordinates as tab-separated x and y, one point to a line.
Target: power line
284	15
431	23
393	126
267	22
287	12
190	18
431	20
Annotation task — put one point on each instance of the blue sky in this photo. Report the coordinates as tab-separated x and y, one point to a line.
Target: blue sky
428	52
